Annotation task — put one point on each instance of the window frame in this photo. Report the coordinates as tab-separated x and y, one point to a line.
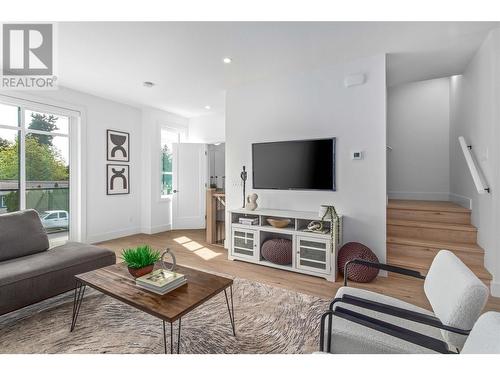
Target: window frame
76	120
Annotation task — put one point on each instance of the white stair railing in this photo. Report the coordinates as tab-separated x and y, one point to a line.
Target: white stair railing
481	186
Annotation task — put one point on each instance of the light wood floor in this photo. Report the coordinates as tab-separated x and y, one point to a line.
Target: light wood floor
191	250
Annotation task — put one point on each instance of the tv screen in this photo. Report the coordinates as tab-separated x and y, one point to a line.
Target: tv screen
294	165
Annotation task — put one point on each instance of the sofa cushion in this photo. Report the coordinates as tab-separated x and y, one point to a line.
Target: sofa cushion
33	278
21	234
53	260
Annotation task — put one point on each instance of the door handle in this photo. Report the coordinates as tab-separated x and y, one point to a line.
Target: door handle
175	191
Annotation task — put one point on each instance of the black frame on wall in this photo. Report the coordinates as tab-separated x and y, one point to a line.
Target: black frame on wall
108	131
127	178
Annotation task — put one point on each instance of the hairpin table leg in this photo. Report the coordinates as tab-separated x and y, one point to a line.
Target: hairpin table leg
77	302
179	337
230	309
164	337
172	337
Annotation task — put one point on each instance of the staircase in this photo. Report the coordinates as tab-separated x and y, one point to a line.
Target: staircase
417	230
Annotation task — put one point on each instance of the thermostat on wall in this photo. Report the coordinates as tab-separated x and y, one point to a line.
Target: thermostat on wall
357	155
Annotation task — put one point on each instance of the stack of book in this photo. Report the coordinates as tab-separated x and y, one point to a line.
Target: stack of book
248	220
161	281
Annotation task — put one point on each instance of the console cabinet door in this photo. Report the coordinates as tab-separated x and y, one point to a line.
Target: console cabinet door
244	243
313	254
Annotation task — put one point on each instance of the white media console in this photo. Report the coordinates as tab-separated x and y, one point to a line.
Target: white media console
312	253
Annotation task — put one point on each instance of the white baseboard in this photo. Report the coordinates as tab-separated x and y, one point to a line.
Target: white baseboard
461	200
156	229
94	238
160	228
495	288
415	195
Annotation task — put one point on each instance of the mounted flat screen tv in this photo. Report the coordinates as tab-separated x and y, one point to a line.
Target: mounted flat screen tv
294	165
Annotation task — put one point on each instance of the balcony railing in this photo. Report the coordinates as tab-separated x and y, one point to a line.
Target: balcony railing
42	200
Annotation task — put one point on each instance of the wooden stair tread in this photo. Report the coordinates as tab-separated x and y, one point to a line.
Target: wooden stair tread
412	263
417	230
403	204
443	245
431	224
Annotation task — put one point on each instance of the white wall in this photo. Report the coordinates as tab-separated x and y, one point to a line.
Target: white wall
156	211
475	102
106	216
207	129
418	130
315	104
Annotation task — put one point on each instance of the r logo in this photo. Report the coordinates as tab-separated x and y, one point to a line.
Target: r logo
27	49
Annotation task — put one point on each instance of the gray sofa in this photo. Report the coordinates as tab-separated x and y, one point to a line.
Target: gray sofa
31	272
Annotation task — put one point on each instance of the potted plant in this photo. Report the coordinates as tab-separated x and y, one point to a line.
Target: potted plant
140	260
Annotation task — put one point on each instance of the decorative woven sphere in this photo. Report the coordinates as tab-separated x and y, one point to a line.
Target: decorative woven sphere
357	272
277	250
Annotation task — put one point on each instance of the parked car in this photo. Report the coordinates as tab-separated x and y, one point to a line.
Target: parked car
54	219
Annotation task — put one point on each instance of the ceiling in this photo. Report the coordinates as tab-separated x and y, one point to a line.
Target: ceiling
184	59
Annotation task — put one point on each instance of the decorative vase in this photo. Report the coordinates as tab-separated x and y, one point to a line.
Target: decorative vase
138	272
252	202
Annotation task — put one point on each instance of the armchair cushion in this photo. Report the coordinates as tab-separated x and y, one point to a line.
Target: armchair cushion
485	336
455	293
349	337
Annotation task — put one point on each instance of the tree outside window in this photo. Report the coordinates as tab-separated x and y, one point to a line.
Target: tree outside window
168	138
166	171
44	161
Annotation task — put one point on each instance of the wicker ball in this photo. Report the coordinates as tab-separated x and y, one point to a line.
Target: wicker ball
357	272
277	250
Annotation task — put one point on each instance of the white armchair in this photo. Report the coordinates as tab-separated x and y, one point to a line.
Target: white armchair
485	336
360	321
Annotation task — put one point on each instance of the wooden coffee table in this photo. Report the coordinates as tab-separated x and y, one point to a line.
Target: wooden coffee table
116	282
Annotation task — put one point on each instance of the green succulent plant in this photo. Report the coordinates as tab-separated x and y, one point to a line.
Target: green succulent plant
140	256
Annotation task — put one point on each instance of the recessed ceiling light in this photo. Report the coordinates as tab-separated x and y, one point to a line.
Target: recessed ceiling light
227	60
148	84
208	107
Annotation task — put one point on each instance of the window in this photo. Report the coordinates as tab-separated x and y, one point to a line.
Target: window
168	138
34	160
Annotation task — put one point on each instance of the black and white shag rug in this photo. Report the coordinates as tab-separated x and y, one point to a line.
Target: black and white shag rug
268	320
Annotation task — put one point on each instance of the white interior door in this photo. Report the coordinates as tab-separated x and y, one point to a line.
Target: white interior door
189	171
